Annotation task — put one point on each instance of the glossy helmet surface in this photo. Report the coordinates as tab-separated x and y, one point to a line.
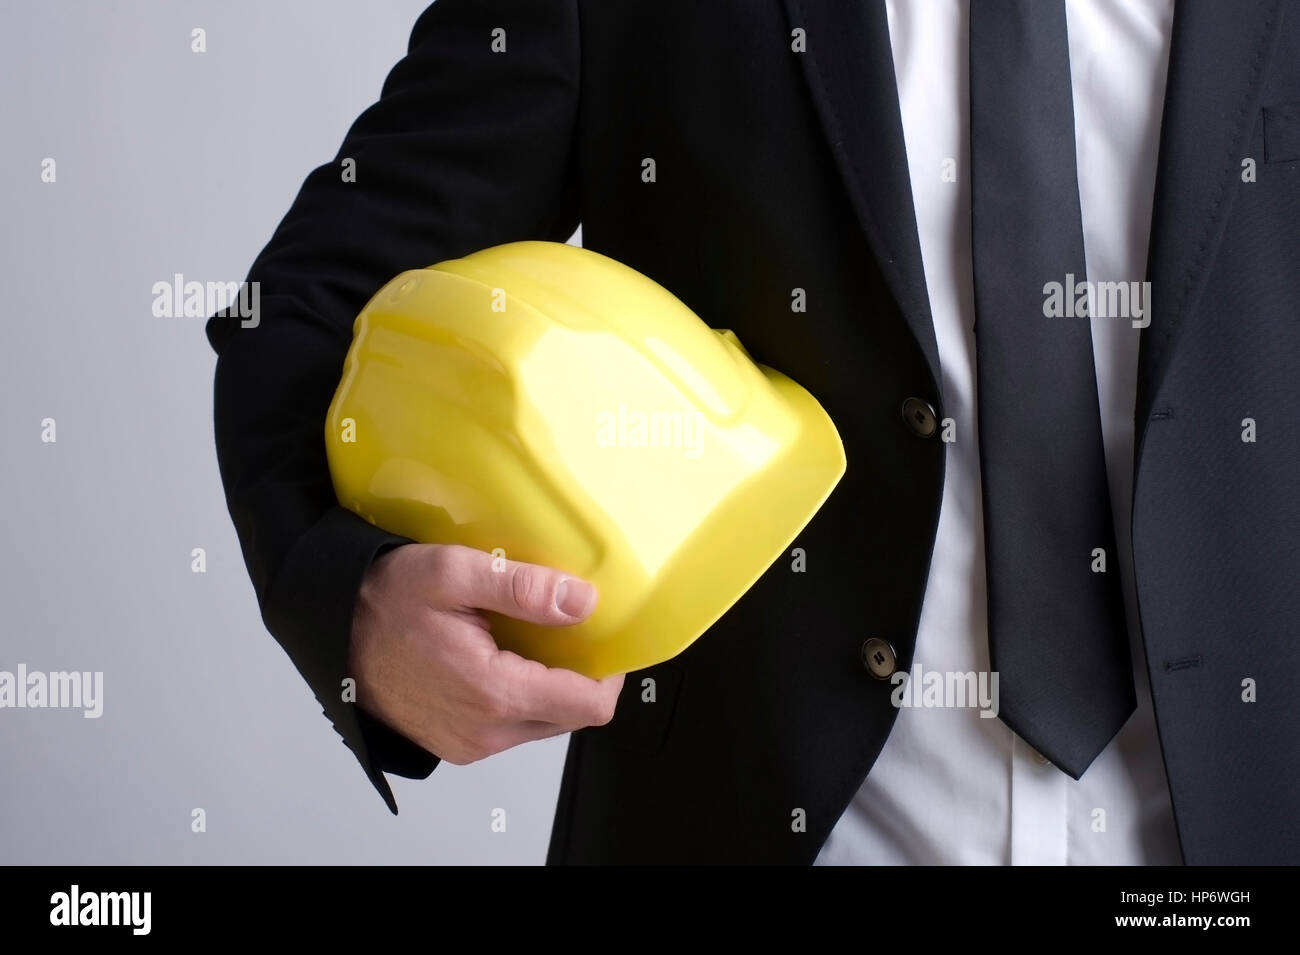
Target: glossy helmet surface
547	404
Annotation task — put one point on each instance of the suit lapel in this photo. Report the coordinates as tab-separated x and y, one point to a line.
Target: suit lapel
1217	58
1218	54
849	67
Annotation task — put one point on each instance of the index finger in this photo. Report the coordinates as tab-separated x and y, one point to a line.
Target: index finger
534	691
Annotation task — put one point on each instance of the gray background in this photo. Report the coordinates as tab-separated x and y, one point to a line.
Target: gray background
171	161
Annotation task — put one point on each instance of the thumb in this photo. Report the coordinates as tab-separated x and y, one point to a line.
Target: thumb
530	592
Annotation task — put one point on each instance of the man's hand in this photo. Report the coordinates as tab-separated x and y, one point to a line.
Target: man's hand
426	664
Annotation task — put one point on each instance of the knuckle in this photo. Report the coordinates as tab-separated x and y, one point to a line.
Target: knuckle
495	704
529	587
438	559
603	710
507	690
441	568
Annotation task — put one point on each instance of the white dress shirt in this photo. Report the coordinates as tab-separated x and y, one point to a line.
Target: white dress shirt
951	787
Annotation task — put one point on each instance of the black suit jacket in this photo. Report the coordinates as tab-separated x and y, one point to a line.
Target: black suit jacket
779	170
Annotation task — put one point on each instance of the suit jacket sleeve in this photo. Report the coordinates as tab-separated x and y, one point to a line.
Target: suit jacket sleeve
468	146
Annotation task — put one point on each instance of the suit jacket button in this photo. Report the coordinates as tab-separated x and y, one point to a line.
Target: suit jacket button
920	417
879	658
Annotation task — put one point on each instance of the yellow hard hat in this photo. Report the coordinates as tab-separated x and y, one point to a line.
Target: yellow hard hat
547	404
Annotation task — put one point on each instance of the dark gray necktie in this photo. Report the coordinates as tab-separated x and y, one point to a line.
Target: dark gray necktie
1057	636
